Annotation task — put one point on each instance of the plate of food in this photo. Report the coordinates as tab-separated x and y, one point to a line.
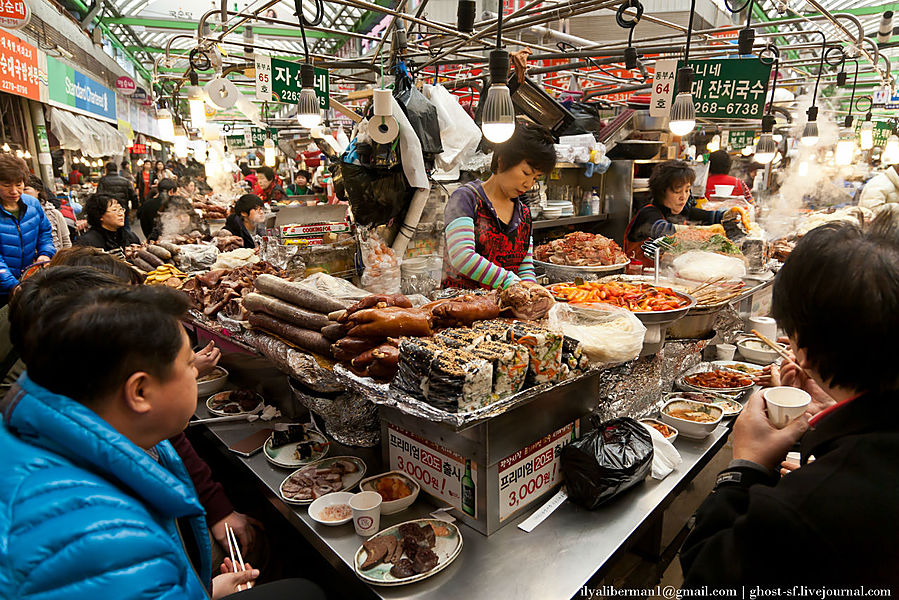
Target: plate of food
668	432
332	509
295	447
397	490
731	407
735	365
706	378
329	475
408	552
234	402
212	381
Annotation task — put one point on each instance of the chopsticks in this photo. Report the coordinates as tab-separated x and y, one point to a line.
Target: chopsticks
781	351
232	548
709	297
210	420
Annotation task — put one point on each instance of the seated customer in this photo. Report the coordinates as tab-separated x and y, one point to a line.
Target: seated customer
720	163
106	218
832	523
246	216
97	502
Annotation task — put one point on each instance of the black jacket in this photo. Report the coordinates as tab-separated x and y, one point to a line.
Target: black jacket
235	225
147	213
119	188
832	523
107	240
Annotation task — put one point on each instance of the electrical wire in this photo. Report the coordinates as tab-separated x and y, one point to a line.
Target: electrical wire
315	22
563	46
499	24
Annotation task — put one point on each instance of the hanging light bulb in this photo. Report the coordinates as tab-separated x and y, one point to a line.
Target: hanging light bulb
891	151
166	124
714	144
498	115
200	150
810	133
180	140
26	155
75	160
6	147
308	112
197	106
803	168
269	149
683	113
844	152
19	153
747	150
765	149
866	135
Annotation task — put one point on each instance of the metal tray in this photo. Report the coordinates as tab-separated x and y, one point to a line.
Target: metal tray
562	273
702	368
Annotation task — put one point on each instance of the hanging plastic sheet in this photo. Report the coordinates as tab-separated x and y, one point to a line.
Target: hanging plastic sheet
459	134
89	136
420	113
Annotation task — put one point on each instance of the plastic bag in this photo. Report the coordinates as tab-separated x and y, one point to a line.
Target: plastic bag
586	118
607	335
333	287
197	257
382	273
376	196
421	113
459	134
665	457
700	266
615	456
236	258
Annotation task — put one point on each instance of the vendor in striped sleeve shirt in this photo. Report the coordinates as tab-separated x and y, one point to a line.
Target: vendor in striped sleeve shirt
488	225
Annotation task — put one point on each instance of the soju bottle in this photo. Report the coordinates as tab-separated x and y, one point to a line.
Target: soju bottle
468	498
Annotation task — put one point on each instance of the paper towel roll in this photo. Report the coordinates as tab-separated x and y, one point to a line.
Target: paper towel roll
381	102
222	93
383	130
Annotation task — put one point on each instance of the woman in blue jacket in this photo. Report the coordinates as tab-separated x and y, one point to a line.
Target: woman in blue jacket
26	235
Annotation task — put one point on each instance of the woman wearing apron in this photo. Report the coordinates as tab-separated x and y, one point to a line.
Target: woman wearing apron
671	206
488	226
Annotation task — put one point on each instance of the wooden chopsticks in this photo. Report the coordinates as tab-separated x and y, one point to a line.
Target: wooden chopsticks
781	351
232	548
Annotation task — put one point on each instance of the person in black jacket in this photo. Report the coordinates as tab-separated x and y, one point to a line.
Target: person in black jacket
246	215
834	521
148	211
106	218
114	185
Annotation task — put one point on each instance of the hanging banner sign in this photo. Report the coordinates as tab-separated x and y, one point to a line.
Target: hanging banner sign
125	85
662	88
729	87
72	89
19	72
253	137
14	14
279	81
737	140
882	130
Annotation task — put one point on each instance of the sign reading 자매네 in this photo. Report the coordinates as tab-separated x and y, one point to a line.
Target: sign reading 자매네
722	88
279	81
71	88
252	137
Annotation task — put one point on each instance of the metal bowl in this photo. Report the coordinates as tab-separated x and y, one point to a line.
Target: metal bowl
643	122
634	150
562	273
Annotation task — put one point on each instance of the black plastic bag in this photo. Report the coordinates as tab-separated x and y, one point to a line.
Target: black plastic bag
421	113
613	457
586	118
375	195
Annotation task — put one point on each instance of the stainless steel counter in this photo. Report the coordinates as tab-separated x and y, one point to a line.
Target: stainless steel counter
552	562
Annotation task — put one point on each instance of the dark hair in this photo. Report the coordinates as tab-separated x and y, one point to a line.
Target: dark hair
43	194
167	185
246	203
111	168
13	169
88	256
530	143
719	162
665	176
184	181
84	346
176	203
244	169
266	172
156	162
95	207
837	296
305	174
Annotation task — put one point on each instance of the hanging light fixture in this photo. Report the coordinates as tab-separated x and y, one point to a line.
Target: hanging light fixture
180	141
308	112
498	113
6	147
196	102
866	133
165	124
810	132
269	149
26	155
714	144
75	160
766	148
747	150
890	154
844	152
683	113
847	122
19	153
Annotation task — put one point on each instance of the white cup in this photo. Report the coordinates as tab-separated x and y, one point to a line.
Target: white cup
785	404
366	512
725	351
764	325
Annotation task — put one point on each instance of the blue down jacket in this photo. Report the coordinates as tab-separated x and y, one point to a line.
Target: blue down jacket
85	514
22	240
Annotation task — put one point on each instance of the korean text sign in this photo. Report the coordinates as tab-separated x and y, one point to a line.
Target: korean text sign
730	87
19	72
279	81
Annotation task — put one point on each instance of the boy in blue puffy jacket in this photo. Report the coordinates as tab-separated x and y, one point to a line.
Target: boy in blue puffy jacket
94	502
26	235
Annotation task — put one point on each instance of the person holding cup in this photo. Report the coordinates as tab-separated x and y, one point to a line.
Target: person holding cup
834	521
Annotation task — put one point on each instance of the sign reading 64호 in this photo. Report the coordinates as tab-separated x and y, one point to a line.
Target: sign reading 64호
279	81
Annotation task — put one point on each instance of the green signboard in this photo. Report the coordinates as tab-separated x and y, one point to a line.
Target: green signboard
279	81
737	140
729	87
882	130
253	137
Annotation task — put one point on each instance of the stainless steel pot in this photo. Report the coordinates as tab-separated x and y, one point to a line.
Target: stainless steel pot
643	122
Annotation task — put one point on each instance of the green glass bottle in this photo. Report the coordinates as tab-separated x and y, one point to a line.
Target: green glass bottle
468	498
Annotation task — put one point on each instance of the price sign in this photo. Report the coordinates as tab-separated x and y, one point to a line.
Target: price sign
440	472
279	81
525	475
737	140
662	88
729	87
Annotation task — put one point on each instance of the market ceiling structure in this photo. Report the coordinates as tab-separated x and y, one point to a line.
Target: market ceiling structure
156	35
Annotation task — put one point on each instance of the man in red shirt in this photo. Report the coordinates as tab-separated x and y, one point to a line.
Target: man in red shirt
719	174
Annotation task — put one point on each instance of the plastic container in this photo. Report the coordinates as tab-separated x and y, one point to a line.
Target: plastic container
421	274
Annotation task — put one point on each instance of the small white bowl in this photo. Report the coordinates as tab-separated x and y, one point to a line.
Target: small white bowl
207	388
670	438
724	190
687	428
392	506
321	503
764	356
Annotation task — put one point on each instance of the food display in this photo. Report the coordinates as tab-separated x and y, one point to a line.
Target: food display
408	552
718	379
214	374
295	447
392	488
639	297
665	430
221	288
167	275
701	239
581	249
148	257
211	210
336	512
691	415
526	300
692	419
323	477
234	402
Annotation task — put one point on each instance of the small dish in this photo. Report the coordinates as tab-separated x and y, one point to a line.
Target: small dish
389	507
687	427
286	455
659	426
757	351
447	547
212	382
292	486
333	499
220	404
735	365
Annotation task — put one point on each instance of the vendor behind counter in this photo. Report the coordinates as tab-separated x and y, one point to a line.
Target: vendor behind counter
488	233
669	210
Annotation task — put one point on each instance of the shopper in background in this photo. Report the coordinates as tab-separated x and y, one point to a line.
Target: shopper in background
114	185
125	171
177	216
200	179
270	191
300	185
246	216
186	187
833	522
108	231
720	163
248	175
75	176
36	188
26	235
881	189
145	180
149	210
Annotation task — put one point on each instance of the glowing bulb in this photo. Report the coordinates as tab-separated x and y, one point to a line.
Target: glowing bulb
165	124
498	116
891	151
778	138
308	111
26	155
844	152
810	134
6	147
866	135
765	149
683	115
715	144
19	153
197	107
269	148
75	160
747	150
803	168
180	140
200	150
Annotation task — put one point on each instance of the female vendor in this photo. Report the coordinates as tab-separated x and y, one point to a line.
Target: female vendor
671	206
488	225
